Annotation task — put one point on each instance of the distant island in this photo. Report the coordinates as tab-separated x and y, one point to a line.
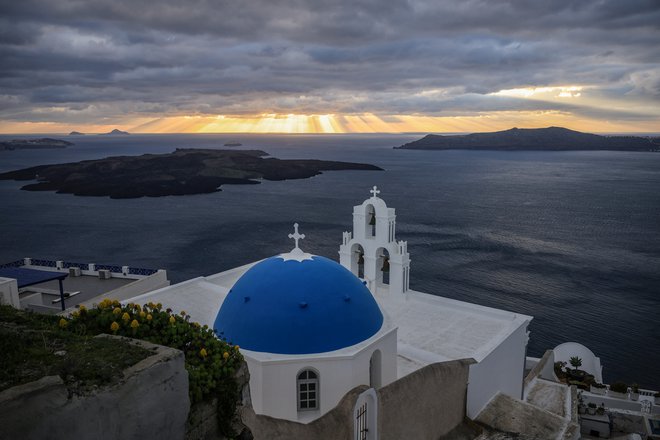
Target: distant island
25	144
115	132
551	138
76	133
185	171
233	144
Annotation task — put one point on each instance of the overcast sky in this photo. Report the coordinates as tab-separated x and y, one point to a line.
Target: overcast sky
335	65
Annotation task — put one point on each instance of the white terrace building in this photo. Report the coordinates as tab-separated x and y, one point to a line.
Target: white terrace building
311	329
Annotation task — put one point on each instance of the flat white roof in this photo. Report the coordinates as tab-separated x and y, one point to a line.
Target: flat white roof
434	329
200	297
430	328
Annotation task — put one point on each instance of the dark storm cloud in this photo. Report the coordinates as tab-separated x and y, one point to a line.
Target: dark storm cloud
90	59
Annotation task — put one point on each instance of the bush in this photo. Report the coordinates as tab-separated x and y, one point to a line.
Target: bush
576	362
34	346
211	362
598	385
579	384
619	387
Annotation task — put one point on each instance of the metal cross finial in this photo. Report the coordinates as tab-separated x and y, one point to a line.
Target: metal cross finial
296	236
375	191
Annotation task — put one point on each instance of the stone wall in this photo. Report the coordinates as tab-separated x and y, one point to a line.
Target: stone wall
150	402
423	405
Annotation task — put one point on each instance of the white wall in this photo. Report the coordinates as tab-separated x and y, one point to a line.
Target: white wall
273	383
9	292
502	370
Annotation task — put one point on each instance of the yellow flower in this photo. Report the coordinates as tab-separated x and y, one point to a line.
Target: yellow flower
225	355
183	313
115	303
149	317
172	320
63	323
83	309
236	347
116	311
75	313
125	316
114	326
159	306
142	314
203	353
135	324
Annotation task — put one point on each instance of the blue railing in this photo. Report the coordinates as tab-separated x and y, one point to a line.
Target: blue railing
138	271
110	267
83	266
44	263
68	264
17	263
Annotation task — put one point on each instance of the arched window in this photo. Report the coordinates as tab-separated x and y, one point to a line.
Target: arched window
308	390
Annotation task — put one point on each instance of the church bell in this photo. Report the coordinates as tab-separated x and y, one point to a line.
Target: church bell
361	258
372	222
386	265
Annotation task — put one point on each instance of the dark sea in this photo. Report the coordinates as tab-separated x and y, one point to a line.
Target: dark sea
571	238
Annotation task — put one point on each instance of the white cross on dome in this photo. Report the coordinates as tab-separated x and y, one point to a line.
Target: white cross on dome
296	236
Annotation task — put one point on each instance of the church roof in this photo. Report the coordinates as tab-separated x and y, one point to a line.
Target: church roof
298	305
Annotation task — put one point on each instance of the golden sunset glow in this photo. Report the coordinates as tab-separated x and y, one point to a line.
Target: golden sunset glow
362	123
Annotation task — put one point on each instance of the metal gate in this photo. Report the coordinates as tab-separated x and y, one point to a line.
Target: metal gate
362	430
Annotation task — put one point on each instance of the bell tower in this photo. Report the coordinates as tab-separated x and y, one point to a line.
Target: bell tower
371	251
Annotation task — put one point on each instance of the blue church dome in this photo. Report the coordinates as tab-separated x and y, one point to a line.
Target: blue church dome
288	306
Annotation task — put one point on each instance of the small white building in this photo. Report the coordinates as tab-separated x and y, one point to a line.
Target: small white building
311	329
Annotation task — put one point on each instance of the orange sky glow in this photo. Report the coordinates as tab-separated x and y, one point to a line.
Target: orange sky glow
373	123
330	123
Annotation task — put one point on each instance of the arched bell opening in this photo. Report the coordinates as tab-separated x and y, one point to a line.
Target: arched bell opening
370	221
383	266
357	260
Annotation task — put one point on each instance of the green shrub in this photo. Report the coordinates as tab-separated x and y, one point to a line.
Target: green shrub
619	387
598	385
579	384
211	362
576	362
34	346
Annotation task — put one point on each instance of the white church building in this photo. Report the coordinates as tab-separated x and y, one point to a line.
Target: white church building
312	329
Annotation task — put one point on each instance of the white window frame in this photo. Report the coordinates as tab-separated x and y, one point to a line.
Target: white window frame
303	386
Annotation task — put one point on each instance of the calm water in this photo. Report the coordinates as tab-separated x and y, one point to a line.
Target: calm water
571	238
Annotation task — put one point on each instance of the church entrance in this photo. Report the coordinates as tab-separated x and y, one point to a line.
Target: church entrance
365	416
361	421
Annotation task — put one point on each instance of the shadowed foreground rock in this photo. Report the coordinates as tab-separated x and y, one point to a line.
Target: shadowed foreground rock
185	171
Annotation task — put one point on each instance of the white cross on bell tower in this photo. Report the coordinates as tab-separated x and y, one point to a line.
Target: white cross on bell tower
375	191
296	236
